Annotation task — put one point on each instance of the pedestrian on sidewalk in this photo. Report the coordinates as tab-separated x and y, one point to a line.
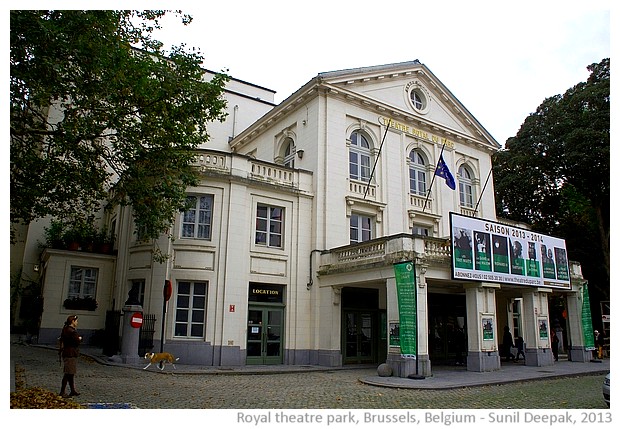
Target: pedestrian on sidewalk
554	344
599	342
69	350
508	344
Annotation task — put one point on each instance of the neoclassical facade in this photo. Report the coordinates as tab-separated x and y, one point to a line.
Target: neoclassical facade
287	256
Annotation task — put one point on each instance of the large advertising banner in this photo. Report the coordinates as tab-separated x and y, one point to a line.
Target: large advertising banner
483	250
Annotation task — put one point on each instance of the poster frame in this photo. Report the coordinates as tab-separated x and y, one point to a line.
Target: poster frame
487	336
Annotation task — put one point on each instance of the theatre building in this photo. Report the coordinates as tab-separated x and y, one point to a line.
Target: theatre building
305	212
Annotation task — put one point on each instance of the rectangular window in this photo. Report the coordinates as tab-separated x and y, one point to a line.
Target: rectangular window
420	230
466	195
83	282
365	167
198	217
353	165
191	307
269	226
359	166
137	290
360	228
417	182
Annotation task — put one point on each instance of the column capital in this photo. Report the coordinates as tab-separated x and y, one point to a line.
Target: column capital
470	285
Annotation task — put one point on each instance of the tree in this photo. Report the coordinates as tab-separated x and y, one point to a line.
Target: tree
555	173
100	112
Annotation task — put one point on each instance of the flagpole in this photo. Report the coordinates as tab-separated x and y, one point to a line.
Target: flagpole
372	173
483	188
428	194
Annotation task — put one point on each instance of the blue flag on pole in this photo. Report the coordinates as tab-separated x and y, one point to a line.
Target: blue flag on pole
443	171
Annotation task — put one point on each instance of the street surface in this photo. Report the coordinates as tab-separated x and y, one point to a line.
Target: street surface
332	389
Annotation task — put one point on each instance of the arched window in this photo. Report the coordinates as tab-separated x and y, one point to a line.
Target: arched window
417	173
466	188
359	157
289	153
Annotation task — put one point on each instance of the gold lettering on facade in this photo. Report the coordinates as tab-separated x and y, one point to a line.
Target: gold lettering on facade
391	123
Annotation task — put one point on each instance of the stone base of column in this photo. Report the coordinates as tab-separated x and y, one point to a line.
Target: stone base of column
580	354
538	357
404	367
483	361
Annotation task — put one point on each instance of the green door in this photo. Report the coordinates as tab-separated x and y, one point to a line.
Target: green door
265	329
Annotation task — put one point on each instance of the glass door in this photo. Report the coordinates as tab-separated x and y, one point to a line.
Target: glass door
265	328
359	337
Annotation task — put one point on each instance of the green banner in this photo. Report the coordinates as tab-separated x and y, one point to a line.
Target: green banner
406	292
586	320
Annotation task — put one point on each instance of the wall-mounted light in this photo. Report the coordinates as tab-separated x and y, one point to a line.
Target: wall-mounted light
300	154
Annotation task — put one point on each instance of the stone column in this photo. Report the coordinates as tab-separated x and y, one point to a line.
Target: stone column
131	336
482	350
535	312
576	344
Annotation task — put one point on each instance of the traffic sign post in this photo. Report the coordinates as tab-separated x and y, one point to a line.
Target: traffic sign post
136	320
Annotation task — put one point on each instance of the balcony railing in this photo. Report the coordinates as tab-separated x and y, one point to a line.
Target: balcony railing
212	161
418	202
272	173
385	251
363	190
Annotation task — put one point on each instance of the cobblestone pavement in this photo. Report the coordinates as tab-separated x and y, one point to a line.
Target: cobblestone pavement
329	389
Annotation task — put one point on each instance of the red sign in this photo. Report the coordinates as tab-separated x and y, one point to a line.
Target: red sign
231	308
167	290
136	320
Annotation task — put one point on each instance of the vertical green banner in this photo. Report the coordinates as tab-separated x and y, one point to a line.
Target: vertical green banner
406	292
586	319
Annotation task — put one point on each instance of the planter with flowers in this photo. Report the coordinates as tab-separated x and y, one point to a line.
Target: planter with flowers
86	303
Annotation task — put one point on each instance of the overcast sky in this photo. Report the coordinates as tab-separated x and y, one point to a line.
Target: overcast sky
501	62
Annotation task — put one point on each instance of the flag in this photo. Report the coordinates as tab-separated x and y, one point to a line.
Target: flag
443	171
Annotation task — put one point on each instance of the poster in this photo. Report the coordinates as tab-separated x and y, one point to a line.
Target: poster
487	329
543	328
406	292
484	250
394	334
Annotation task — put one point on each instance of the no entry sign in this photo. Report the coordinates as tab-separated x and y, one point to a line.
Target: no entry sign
136	320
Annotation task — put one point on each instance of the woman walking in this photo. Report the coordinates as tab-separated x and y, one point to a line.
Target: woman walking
70	341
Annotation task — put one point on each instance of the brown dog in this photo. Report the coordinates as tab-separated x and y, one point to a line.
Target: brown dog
161	359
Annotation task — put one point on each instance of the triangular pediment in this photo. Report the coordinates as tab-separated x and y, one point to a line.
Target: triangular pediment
411	91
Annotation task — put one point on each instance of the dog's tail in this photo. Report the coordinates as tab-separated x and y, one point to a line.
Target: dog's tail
176	359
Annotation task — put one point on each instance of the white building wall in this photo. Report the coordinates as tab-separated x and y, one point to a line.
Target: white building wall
318	201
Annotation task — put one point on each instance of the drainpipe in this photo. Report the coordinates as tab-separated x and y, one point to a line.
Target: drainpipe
311	282
235	110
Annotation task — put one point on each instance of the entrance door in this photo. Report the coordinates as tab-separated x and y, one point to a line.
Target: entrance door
265	328
360	342
446	313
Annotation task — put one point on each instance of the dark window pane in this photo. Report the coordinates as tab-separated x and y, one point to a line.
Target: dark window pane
184	288
182	316
183	301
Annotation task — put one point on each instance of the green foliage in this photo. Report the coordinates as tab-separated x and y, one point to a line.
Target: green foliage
95	118
86	303
555	173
